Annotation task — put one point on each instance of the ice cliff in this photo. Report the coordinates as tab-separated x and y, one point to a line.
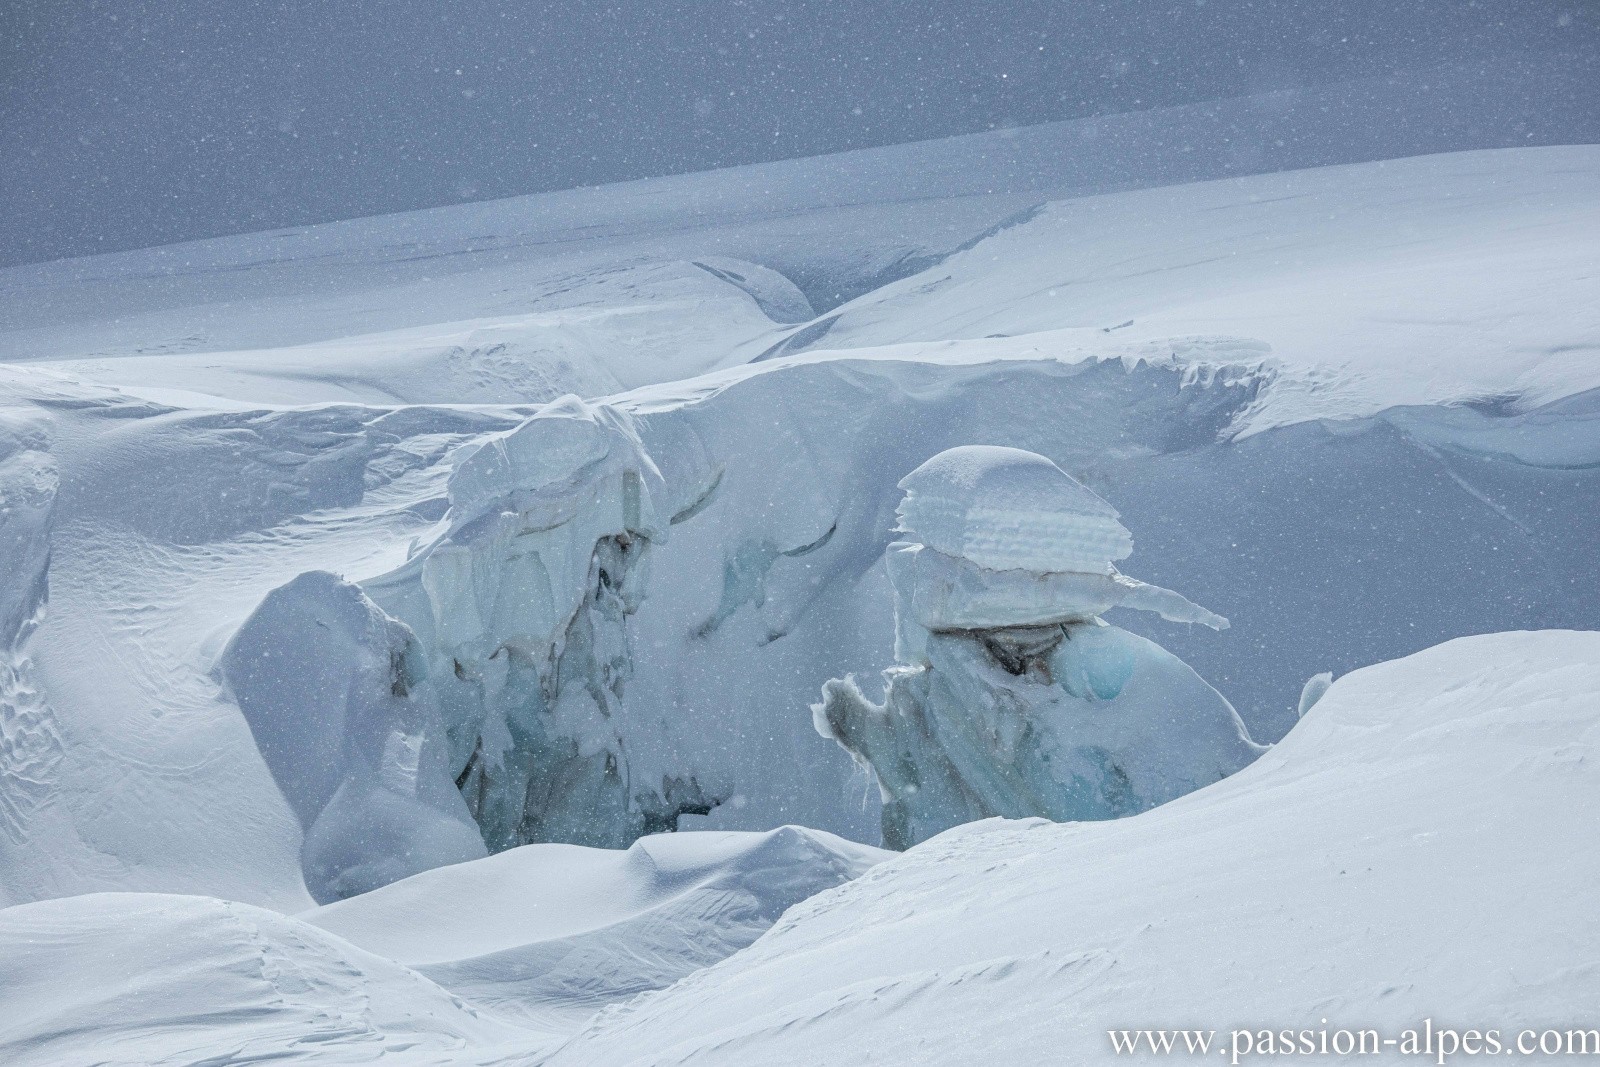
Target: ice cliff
1011	696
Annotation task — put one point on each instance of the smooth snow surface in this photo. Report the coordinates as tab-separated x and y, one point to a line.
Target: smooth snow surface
1415	848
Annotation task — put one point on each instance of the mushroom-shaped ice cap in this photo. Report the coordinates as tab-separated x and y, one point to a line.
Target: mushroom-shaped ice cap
1008	509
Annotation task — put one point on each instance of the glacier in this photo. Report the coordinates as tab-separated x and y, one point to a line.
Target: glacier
389	575
1254	463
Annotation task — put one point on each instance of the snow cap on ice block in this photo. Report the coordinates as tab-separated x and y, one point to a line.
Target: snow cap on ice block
1007	509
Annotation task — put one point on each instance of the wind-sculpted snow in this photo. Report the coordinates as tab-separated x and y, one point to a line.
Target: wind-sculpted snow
1013	697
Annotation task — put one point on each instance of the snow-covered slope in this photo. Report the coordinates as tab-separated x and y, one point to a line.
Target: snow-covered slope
592	290
1416	848
1428	280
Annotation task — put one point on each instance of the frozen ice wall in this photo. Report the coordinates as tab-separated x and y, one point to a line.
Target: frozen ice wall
1012	697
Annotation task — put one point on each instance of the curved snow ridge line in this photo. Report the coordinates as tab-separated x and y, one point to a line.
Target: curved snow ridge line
555	932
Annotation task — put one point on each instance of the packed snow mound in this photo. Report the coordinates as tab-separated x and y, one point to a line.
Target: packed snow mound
332	689
172	981
1471	765
548	934
1009	509
1012	697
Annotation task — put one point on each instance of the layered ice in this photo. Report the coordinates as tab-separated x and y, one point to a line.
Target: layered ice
1012	697
1009	509
333	690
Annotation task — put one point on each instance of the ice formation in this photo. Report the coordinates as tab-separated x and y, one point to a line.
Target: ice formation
334	693
522	604
1012	697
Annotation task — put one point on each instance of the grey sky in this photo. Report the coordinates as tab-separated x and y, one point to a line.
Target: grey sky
131	123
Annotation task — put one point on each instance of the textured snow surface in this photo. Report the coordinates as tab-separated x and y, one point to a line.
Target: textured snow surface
1413	849
145	978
